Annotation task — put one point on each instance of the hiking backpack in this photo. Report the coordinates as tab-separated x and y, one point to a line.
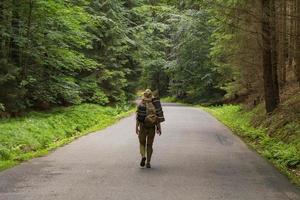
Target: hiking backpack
151	118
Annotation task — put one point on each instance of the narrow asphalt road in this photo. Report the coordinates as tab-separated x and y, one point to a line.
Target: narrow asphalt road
195	158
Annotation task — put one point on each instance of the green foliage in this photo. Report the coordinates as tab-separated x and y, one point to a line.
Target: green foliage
49	48
2	108
174	52
92	93
59	52
285	155
193	76
169	99
22	137
235	48
152	33
112	47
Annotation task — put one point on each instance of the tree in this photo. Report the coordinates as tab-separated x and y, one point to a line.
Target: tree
59	52
152	35
269	55
297	50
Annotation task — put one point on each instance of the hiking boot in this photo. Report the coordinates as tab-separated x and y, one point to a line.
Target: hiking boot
142	164
148	165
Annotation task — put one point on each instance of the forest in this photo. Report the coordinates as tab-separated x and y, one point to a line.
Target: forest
65	53
56	52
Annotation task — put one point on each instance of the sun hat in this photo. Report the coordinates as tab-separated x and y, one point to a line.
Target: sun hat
147	96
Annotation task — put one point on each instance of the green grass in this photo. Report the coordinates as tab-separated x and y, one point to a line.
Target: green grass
172	99
169	99
285	155
38	132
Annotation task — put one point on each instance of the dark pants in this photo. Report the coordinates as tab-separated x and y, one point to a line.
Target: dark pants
146	138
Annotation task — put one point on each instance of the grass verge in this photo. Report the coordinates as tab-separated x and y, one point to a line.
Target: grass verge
170	99
283	154
39	132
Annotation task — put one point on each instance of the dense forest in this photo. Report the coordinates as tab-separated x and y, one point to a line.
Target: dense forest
57	52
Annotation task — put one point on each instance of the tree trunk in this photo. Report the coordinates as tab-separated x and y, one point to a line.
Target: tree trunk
269	56
281	40
274	31
15	24
297	53
291	34
284	43
2	40
29	21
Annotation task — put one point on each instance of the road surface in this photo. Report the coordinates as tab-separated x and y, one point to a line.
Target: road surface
196	158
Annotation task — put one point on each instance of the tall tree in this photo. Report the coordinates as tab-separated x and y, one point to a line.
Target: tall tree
297	52
269	55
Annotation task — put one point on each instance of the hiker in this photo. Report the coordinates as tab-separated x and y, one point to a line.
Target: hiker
149	117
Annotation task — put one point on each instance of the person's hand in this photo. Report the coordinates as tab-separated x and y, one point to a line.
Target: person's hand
137	130
158	131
